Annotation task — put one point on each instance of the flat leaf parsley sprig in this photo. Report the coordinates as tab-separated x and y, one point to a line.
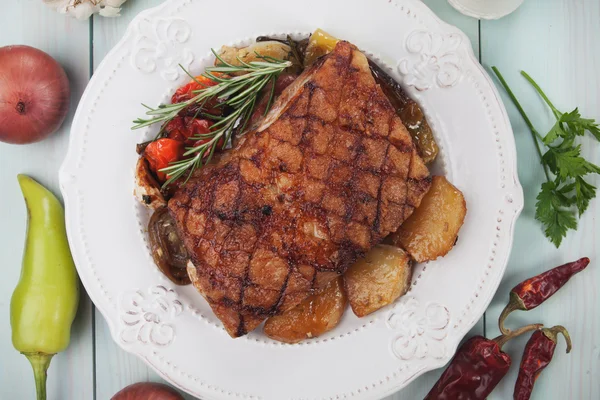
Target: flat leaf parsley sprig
238	88
564	167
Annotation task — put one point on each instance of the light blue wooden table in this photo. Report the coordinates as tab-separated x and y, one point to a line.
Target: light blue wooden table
556	41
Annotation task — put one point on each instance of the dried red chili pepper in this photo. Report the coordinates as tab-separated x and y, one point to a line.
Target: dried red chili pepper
537	355
478	366
532	292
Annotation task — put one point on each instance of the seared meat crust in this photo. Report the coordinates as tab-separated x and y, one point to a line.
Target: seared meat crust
327	175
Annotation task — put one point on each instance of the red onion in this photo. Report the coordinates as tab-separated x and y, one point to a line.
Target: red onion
147	391
34	95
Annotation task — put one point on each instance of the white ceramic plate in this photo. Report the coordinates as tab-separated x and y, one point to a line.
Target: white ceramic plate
172	328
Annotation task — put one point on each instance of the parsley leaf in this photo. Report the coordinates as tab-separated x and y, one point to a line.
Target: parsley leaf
554	207
554	133
584	193
564	195
578	126
566	162
549	212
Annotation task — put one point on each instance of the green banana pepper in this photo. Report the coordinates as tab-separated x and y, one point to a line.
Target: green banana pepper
45	300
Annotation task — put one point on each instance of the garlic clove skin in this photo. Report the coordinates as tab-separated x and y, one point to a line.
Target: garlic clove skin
83	9
109	11
114	3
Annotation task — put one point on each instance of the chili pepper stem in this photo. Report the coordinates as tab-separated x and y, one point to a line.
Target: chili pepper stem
40	363
502	339
515	303
552	334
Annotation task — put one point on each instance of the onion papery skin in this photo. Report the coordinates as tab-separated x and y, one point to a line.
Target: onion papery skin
34	95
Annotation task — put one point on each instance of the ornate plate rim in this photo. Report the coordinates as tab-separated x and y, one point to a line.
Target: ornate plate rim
68	185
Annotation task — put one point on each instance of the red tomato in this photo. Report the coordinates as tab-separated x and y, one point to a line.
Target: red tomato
183	128
186	92
161	153
175	129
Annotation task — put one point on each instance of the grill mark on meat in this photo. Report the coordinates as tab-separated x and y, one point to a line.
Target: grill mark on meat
241	328
283	289
300	198
379	199
314	279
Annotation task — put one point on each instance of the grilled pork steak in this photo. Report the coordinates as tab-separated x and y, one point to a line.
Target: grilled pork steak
327	175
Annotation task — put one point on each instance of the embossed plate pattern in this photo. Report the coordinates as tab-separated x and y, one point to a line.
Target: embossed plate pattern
172	328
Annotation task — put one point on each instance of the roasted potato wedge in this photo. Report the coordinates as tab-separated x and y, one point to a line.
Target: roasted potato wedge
378	279
431	231
316	315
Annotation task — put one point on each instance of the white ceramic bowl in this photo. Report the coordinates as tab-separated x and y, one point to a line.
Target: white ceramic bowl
486	9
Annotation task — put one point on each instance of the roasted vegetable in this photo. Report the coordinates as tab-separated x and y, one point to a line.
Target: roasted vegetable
161	153
186	92
44	303
297	50
236	92
188	129
255	52
147	188
432	230
409	112
316	315
319	44
378	279
167	248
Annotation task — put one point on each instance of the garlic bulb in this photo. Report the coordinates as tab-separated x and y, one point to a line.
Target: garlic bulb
83	9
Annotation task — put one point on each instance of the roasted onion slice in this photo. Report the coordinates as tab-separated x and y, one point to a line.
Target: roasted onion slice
409	112
168	250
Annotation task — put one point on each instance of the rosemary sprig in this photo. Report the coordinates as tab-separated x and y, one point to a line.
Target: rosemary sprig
238	88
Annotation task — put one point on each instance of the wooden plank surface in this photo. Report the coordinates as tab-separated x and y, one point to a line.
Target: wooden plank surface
115	368
555	41
420	386
71	373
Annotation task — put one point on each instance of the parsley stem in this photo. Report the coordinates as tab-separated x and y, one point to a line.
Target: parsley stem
534	133
541	93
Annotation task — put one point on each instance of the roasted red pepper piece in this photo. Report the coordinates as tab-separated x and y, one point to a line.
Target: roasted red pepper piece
537	355
161	153
478	366
532	292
